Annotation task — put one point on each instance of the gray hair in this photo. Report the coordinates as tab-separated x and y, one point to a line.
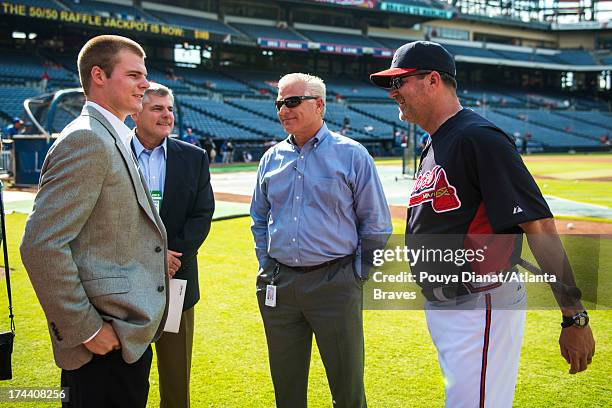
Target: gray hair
314	85
158	90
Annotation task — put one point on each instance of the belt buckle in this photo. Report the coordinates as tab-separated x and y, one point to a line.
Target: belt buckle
441	293
438	293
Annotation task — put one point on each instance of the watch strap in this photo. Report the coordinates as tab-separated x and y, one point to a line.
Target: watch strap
569	321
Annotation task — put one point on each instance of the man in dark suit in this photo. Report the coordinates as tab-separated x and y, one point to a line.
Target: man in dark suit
94	247
177	175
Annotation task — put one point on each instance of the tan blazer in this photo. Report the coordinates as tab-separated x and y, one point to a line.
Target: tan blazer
94	247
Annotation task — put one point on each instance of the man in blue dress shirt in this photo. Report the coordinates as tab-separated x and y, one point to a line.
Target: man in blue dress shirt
178	178
318	198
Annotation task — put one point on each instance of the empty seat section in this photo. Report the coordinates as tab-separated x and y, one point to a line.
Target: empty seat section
473	94
264	107
110	10
24	66
360	125
550	119
215	128
383	111
472	51
199	23
259	80
340	38
603	120
350	88
524	56
391	43
212	80
175	84
576	58
540	134
232	115
12	97
261	31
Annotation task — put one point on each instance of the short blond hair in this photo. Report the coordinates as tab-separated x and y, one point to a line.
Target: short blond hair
102	51
314	85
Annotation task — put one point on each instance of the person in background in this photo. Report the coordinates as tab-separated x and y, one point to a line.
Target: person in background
190	137
229	149
15	128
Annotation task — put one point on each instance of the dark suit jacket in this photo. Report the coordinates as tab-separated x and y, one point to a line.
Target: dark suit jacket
187	209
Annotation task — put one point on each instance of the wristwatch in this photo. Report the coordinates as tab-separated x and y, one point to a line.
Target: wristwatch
579	320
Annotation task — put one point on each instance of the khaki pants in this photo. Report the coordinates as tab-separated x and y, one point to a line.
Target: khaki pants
174	363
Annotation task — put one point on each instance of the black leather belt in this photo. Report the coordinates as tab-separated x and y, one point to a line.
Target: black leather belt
306	269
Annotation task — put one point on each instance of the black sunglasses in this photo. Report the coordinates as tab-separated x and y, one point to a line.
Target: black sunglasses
292	101
396	82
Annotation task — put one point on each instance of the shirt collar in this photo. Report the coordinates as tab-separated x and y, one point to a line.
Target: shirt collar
139	148
317	139
120	128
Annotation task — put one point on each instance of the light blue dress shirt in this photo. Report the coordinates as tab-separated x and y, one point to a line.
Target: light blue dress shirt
315	204
152	164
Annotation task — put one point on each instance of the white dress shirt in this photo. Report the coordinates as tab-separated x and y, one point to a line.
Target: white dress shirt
121	128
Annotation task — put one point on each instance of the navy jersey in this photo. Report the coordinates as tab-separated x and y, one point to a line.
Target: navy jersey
472	180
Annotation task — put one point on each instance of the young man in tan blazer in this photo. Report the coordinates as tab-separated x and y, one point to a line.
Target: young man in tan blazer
94	247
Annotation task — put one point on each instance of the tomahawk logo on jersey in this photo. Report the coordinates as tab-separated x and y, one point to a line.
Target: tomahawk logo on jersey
471	180
433	186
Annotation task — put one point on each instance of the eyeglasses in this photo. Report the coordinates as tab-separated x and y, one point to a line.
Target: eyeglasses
397	83
292	101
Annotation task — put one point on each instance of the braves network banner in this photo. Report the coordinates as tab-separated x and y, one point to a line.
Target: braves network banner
415	10
328	48
92	20
325	48
394	7
282	44
351	3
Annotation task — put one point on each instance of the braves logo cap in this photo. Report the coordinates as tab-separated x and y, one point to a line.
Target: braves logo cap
416	56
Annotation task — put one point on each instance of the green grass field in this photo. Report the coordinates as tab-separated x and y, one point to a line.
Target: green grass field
234	167
574	177
230	367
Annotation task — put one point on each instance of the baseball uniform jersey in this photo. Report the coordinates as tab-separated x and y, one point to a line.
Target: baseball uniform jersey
472	180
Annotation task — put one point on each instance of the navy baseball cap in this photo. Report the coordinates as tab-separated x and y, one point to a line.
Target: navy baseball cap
416	56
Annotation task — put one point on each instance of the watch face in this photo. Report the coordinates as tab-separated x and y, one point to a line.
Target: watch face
581	320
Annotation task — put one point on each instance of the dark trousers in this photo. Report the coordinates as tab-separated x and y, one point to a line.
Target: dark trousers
328	303
108	381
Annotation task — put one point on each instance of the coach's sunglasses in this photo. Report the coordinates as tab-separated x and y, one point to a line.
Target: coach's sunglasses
292	101
397	82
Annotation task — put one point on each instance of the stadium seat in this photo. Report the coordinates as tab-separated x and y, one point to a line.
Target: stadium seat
12	97
544	135
261	31
199	23
105	9
340	38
